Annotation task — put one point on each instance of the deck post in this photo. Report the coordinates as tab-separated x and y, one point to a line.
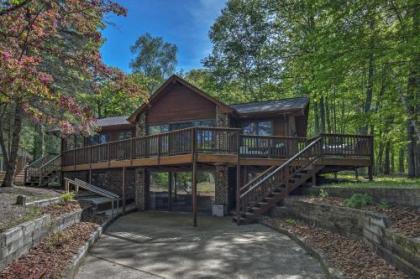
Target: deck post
238	179
170	182
194	178
313	178
123	190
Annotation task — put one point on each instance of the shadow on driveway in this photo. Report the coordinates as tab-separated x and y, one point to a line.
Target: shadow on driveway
165	245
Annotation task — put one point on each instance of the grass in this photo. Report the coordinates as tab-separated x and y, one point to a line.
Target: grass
30	214
348	180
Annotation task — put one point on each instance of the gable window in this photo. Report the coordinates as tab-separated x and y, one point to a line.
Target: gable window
258	128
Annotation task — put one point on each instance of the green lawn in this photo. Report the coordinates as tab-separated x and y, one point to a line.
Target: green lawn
347	180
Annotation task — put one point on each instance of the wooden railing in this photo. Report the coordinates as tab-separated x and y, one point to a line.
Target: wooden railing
321	146
34	168
257	189
270	147
347	145
216	141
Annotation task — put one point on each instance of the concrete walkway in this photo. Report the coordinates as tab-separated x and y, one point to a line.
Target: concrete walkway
165	245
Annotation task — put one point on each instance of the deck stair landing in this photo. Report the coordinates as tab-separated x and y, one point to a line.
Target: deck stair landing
272	186
43	171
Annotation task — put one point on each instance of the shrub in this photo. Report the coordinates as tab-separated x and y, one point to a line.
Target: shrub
383	205
57	239
323	194
291	221
67	197
358	200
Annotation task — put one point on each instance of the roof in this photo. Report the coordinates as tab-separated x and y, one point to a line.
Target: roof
272	106
173	79
112	121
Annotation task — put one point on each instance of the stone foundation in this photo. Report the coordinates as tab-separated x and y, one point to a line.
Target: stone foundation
221	188
141	179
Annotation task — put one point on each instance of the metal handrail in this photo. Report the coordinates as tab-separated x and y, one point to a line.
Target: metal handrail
94	189
97	189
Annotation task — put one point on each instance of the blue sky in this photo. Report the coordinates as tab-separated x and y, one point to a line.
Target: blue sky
183	22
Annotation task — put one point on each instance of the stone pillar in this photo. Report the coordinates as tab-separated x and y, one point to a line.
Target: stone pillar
141	128
141	187
222	119
221	191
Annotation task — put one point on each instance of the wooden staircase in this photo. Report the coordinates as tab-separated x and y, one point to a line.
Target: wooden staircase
43	171
269	188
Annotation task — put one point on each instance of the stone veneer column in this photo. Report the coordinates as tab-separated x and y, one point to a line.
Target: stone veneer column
222	119
141	180
141	129
221	187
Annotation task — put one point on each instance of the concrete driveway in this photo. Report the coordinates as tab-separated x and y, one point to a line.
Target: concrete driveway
165	245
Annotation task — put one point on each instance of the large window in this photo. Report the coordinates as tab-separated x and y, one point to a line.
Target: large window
258	128
157	129
124	135
98	139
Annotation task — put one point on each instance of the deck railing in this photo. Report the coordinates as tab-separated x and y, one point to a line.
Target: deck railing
215	141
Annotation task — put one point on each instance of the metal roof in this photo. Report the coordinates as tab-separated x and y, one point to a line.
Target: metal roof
272	106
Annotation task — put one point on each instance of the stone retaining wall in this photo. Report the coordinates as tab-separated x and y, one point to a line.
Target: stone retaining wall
18	240
44	202
371	227
398	195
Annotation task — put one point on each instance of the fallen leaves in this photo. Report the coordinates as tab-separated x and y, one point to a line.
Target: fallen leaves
51	256
353	257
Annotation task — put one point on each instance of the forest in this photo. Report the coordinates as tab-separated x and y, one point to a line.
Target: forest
358	62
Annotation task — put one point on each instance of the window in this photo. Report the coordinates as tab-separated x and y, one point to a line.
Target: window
157	129
124	135
258	128
98	139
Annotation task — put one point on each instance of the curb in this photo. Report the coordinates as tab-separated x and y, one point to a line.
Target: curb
72	269
330	272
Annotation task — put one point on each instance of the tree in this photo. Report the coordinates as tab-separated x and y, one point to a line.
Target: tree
358	61
243	50
154	58
38	65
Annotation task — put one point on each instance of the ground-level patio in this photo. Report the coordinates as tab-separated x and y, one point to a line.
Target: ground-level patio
165	245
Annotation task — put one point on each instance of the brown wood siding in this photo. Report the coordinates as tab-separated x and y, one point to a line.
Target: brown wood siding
180	104
280	126
301	126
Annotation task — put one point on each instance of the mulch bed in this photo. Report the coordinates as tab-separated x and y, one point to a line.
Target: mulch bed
353	257
58	209
49	258
404	220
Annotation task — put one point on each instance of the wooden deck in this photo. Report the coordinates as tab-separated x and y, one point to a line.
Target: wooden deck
216	146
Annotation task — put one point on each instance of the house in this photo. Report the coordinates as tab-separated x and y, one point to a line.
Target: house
256	152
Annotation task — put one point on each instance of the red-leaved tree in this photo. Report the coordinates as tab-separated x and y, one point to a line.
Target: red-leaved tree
49	53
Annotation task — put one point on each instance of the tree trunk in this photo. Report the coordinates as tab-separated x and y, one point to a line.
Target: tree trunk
401	167
11	163
371	76
322	114
387	159
316	118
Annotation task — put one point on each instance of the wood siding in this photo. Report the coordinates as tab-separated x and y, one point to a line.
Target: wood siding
180	104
